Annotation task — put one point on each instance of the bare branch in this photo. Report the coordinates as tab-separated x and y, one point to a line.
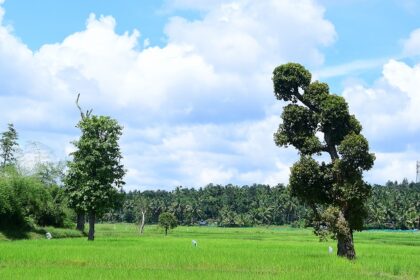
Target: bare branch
83	115
78	106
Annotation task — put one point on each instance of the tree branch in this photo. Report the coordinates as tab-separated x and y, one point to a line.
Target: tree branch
88	112
300	98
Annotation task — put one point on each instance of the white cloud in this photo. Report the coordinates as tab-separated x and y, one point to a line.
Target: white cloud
392	102
348	68
412	44
200	109
242	153
249	36
394	167
195	111
389	114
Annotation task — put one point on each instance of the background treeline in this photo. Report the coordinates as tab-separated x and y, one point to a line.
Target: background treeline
393	206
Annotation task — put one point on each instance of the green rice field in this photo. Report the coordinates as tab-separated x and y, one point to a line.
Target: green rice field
118	252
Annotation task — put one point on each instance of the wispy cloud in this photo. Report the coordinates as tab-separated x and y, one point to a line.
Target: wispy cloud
350	68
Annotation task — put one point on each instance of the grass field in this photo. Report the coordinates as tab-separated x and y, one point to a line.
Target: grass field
222	253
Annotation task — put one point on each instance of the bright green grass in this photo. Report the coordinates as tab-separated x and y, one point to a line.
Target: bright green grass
249	253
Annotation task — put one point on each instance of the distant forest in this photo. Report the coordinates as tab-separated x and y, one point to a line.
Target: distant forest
393	206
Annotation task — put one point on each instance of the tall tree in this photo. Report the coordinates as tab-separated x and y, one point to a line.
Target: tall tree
96	172
335	190
77	181
8	145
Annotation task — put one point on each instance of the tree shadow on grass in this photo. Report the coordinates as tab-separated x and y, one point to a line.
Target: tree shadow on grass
15	234
38	232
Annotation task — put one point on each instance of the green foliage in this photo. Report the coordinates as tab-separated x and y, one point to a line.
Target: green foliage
335	191
354	151
395	206
26	202
167	221
309	181
96	171
8	145
288	79
222	205
298	129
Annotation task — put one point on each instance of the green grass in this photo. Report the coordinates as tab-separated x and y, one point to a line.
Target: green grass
222	253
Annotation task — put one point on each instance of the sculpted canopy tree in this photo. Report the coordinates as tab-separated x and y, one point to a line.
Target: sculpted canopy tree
8	145
335	190
95	173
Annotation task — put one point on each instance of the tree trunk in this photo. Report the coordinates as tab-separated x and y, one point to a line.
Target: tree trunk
345	246
166	231
80	222
91	235
143	213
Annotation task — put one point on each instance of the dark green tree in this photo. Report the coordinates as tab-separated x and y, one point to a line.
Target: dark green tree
167	221
334	190
8	145
95	173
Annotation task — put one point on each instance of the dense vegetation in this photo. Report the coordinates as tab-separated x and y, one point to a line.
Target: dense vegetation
29	198
393	206
27	201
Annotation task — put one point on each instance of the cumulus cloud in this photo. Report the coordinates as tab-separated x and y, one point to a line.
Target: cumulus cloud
250	36
389	113
195	111
393	101
412	44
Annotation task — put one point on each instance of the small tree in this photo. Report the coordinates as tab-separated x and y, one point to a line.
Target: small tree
8	145
96	172
335	191
167	221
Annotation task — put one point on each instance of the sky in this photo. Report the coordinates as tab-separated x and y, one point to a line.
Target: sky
190	81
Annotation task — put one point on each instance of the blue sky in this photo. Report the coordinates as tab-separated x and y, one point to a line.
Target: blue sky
190	80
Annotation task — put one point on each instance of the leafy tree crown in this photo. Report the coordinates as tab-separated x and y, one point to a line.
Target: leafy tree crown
96	172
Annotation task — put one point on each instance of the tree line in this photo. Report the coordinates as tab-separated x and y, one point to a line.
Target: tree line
391	206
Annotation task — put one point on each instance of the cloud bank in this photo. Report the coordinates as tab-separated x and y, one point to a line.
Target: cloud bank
199	109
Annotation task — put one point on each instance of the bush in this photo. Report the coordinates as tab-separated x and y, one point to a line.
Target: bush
26	202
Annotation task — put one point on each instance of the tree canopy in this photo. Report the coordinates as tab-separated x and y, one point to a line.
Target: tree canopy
96	172
167	221
316	122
